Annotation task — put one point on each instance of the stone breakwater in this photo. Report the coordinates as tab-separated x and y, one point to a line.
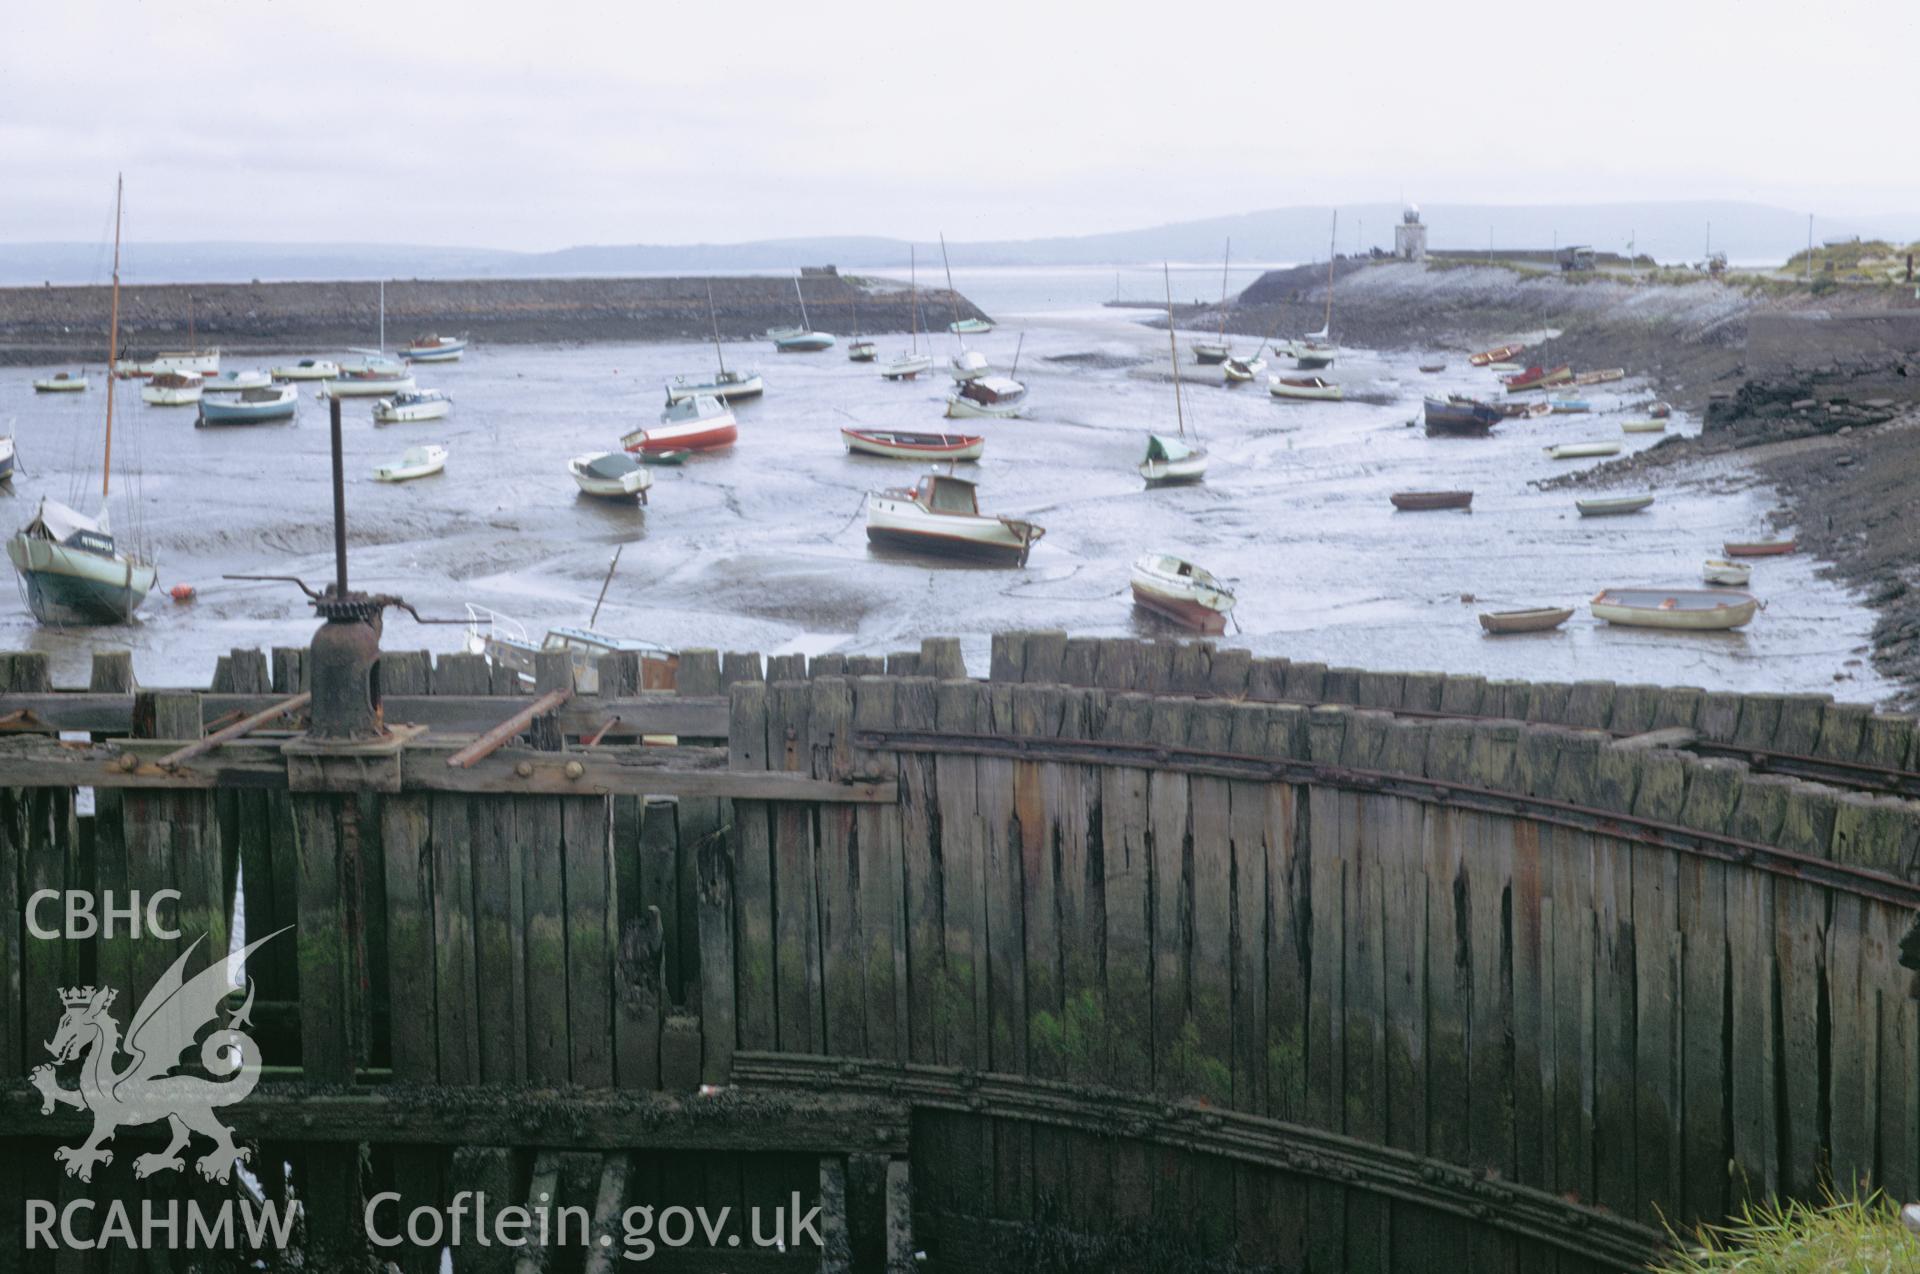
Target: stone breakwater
51	324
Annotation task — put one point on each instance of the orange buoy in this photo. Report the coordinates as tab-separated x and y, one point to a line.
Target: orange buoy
181	592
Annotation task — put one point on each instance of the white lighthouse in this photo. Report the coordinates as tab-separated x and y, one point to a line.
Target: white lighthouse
1410	236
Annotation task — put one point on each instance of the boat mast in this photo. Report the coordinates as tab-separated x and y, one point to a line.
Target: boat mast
611	567
913	287
953	298
1223	291
1174	346
113	339
383	316
804	320
192	341
1326	325
714	319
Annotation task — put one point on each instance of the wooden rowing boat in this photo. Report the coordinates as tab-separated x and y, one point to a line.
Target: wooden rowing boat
1582	450
1422	501
1539	378
1680	609
1643	426
897	445
1498	354
1303	387
1759	548
1178	590
1600	377
1612	506
1539	620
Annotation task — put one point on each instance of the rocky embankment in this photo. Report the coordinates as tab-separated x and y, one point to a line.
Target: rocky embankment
53	324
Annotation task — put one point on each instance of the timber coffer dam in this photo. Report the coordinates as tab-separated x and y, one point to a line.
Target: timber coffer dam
1133	955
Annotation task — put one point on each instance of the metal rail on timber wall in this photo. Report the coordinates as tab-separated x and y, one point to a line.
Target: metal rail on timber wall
997	970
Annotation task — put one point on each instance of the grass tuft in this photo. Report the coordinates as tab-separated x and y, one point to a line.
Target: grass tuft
1858	1234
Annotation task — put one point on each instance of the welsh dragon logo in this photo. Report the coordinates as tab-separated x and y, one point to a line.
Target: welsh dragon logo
146	1090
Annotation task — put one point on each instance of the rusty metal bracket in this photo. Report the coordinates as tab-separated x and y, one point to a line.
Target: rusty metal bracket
332	765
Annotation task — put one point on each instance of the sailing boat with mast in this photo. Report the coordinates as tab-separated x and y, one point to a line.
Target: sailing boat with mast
193	359
1316	349
73	570
377	374
1220	349
968	364
1174	460
724	385
909	365
802	339
860	349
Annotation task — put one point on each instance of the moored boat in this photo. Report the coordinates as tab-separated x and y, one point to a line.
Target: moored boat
1503	369
1538	378
1211	353
989	396
1540	619
909	364
1612	506
906	366
692	424
1461	417
727	386
434	349
1643	426
1313	353
1498	354
1310	387
308	369
1681	609
897	445
1239	371
60	383
204	362
669	457
1734	574
862	351
1601	376
970	327
1422	501
1582	450
172	389
250	406
504	641
233	382
1173	460
611	475
373	378
1660	411
797	340
968	364
414	462
1433	368
941	514
1177	589
1524	411
418	404
1569	406
1759	548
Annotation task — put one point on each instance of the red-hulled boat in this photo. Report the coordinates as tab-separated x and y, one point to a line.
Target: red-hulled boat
692	424
1539	378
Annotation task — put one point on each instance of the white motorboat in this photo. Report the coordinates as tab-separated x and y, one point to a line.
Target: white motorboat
250	406
233	382
1683	609
419	404
1177	589
1309	387
1725	573
1172	460
968	364
503	640
415	462
992	396
203	362
941	514
60	383
308	369
172	389
692	424
611	475
906	366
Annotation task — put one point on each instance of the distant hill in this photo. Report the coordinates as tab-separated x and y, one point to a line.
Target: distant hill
1669	231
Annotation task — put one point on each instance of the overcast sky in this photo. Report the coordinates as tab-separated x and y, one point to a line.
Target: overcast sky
507	123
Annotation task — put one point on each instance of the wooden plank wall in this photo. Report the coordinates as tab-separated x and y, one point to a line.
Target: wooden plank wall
1619	1023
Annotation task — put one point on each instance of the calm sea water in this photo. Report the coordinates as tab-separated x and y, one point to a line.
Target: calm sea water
764	549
